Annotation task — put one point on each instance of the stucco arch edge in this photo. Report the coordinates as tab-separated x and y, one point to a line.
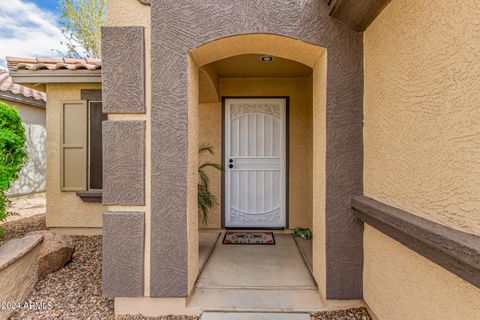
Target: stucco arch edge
277	45
270	44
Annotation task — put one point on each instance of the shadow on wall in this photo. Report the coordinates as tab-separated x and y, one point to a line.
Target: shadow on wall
32	177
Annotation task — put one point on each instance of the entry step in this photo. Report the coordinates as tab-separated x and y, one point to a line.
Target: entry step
257	301
254	316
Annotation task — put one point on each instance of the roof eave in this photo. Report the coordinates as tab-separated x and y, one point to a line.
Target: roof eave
56	76
5	95
357	15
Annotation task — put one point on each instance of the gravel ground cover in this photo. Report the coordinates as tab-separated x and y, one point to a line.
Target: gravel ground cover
18	228
349	314
74	292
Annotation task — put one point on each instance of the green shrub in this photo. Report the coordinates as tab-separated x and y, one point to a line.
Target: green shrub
12	153
206	199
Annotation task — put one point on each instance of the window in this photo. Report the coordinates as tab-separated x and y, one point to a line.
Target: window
95	163
81	145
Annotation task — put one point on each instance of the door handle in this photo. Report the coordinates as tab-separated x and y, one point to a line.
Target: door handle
230	160
230	166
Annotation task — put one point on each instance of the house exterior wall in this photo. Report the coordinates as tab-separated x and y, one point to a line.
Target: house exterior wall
32	177
300	139
210	131
126	13
422	125
319	194
171	213
65	210
173	38
422	145
302	32
401	284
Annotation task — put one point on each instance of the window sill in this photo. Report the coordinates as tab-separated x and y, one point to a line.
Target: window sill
90	195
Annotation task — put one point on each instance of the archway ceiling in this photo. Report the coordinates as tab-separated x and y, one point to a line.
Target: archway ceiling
246	66
250	65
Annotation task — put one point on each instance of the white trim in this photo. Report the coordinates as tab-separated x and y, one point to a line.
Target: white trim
57	76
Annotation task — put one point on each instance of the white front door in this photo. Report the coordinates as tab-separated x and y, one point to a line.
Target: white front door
255	162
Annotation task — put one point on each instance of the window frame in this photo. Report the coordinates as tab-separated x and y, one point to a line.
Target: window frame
88	188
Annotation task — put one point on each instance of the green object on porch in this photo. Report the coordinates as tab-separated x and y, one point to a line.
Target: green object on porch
302	233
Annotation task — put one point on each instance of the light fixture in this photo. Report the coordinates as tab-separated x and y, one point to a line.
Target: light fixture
266	58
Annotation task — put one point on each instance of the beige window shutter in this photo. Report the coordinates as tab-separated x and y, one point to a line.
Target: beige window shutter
73	145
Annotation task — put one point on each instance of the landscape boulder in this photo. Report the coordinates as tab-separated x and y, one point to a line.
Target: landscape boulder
56	251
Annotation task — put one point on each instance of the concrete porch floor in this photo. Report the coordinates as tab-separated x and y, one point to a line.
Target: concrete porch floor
255	278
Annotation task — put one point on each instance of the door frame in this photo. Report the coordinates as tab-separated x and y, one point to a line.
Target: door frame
287	160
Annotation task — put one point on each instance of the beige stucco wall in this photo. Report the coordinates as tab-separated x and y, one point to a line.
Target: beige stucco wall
319	133
401	284
300	139
422	149
133	13
32	177
210	131
422	119
192	173
65	209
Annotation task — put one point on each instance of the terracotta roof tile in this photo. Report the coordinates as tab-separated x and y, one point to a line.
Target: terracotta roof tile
6	84
35	64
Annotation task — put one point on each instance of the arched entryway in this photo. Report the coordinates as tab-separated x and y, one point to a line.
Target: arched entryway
287	30
232	69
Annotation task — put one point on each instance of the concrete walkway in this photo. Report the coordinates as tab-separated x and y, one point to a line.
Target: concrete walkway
27	206
260	278
254	316
278	266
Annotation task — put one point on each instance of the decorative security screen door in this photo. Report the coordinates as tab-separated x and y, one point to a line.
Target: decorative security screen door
255	162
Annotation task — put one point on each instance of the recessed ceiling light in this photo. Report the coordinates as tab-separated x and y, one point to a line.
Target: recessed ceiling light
266	58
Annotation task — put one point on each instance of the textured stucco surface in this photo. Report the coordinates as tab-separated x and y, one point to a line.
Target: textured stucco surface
210	131
133	13
18	279
124	162
173	35
319	100
122	254
401	284
356	14
422	119
123	69
192	180
32	177
454	250
65	209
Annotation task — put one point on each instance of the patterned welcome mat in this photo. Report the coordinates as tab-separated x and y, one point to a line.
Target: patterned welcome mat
249	237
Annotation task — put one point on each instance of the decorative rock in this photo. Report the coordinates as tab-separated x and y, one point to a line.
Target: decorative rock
57	251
